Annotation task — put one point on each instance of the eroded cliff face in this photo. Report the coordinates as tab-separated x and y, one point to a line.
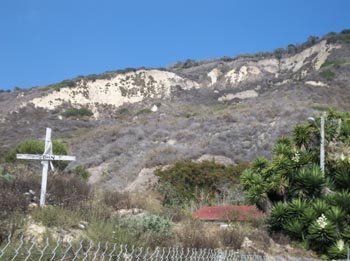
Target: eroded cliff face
135	86
123	88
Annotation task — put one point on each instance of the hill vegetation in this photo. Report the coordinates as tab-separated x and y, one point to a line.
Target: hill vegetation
304	203
151	128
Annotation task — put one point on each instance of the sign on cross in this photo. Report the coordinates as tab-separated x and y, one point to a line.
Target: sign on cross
46	160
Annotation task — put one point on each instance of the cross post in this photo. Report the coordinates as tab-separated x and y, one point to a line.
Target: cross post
46	160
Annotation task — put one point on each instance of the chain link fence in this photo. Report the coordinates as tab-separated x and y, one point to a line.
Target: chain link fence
37	250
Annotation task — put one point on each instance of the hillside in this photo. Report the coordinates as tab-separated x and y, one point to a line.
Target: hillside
145	118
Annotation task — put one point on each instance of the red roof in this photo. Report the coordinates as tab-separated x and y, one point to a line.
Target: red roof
224	213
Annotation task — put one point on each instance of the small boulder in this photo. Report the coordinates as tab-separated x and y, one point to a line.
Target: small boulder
154	108
32	206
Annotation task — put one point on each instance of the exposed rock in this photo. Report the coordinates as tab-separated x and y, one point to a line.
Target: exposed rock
96	173
129	212
145	181
218	159
171	142
154	108
130	87
244	73
247	243
35	230
83	225
32	206
213	75
240	95
316	83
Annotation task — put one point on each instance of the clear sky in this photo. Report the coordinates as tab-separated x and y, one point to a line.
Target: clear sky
46	41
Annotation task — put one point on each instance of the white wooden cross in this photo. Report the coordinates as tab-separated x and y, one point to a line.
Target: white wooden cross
46	160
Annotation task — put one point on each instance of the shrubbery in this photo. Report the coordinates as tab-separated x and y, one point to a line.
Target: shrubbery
31	146
343	37
304	203
81	172
328	74
188	180
79	113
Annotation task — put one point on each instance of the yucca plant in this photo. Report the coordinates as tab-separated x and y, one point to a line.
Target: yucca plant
278	185
309	182
338	250
302	135
308	216
284	140
341	175
257	194
279	216
345	234
296	208
321	234
280	163
316	207
320	207
282	149
340	199
250	177
295	229
337	216
259	164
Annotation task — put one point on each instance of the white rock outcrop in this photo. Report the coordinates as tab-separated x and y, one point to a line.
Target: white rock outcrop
236	76
214	75
316	83
123	88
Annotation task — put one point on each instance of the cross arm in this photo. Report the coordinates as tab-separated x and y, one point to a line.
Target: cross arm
45	157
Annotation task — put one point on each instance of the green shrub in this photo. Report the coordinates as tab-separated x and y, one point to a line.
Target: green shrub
37	147
79	113
343	37
81	172
5	176
189	180
334	63
144	111
152	223
64	83
123	111
328	75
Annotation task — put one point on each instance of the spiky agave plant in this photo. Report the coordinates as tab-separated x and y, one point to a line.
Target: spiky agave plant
321	234
278	216
338	217
302	135
337	250
341	175
295	229
309	182
340	199
320	206
256	189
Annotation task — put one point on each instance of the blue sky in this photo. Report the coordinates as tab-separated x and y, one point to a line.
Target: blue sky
46	41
